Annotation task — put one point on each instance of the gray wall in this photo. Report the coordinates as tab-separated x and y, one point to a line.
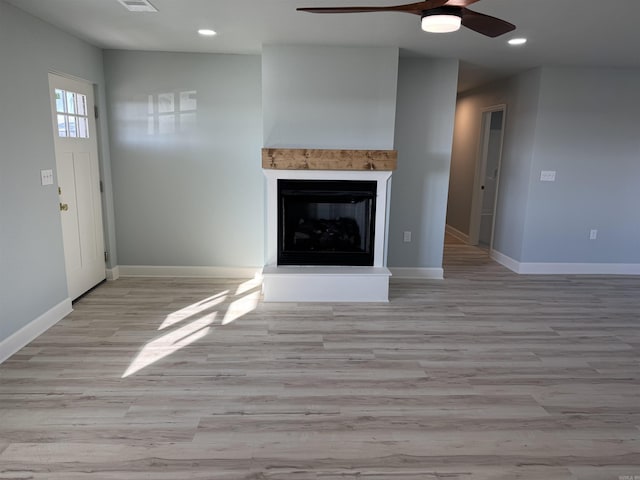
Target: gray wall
581	122
588	130
466	134
191	196
329	97
32	272
520	93
423	138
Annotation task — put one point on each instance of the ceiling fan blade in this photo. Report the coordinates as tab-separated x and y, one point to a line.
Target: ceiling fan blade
415	8
345	9
460	3
485	24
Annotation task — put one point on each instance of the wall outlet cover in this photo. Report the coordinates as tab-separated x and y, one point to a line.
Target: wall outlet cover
548	176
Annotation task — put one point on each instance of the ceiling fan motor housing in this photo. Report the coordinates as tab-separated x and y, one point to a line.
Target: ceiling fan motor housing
455	11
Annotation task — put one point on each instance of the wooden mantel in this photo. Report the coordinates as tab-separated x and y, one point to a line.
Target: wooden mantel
320	159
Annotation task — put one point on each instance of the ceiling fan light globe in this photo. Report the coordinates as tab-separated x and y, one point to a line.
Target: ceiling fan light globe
441	23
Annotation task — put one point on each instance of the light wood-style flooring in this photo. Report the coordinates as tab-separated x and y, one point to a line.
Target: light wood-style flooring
485	375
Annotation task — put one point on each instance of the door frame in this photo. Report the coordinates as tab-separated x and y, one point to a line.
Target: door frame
480	172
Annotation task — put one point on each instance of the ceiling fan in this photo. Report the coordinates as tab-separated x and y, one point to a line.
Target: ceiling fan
438	16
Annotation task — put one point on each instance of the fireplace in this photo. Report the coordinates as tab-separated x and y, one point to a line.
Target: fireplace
326	222
326	225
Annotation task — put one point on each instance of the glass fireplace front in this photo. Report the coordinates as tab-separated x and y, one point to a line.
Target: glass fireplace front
326	222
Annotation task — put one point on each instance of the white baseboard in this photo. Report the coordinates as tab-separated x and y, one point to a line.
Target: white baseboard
171	271
113	273
580	268
558	268
505	261
34	329
454	232
417	273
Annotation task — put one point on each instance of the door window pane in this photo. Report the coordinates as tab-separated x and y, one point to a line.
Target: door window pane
83	127
72	115
59	100
73	132
71	102
62	126
81	102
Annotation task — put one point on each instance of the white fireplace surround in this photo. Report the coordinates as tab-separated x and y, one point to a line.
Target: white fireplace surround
326	283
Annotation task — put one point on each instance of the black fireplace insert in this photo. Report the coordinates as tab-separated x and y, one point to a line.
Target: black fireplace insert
326	222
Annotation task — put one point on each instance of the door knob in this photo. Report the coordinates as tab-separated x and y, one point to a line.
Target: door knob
64	207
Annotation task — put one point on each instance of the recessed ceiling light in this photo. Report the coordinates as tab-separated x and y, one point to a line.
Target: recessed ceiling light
207	32
517	41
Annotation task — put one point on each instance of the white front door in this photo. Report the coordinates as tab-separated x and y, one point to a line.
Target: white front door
76	150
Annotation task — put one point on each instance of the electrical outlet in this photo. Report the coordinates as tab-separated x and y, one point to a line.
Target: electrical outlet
593	234
407	237
548	176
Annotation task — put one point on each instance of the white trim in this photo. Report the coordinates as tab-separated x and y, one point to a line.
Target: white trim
113	273
325	284
559	268
454	232
34	329
505	260
480	172
382	178
174	271
310	284
415	273
580	268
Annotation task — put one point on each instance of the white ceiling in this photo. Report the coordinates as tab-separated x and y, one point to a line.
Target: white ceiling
560	32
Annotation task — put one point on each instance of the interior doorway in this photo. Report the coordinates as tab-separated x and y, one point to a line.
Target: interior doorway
487	178
77	172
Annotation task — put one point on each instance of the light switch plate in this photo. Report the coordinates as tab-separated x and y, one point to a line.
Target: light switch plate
46	177
406	237
548	176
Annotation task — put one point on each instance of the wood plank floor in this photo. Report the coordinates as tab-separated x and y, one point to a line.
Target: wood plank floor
485	375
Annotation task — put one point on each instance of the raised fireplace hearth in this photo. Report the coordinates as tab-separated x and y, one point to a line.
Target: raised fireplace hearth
326	225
